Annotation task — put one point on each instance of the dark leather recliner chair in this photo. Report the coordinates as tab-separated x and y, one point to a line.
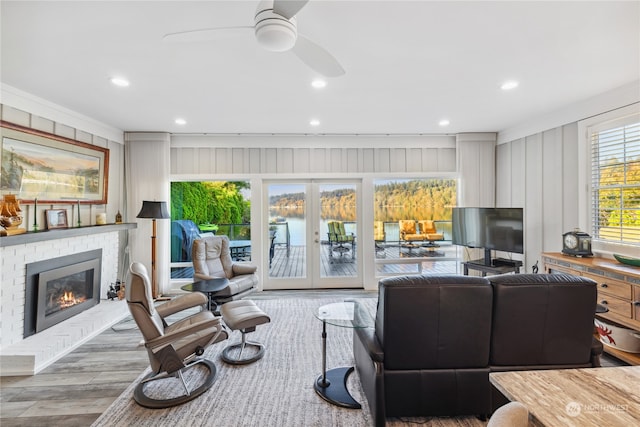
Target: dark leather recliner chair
429	351
542	321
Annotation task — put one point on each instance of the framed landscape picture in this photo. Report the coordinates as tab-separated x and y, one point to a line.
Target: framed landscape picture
51	168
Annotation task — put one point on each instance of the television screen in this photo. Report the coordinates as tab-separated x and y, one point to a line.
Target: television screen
499	229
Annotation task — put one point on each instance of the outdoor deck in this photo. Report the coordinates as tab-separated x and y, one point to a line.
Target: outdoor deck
391	259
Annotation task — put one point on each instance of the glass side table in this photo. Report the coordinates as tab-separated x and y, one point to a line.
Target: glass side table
331	385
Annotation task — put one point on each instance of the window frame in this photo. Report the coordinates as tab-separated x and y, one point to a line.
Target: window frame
611	119
607	140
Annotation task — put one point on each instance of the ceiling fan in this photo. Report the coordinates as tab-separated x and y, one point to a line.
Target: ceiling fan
275	28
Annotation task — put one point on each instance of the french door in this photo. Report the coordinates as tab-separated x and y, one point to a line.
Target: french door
303	256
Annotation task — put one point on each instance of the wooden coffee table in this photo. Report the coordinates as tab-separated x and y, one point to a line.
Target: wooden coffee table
575	397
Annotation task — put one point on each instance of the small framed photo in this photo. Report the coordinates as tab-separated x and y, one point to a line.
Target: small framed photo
56	218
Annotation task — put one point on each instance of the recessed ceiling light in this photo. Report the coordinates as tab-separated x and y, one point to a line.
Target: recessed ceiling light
181	121
444	122
508	85
120	81
319	83
314	122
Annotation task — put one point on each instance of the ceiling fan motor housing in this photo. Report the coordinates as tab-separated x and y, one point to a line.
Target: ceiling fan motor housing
274	32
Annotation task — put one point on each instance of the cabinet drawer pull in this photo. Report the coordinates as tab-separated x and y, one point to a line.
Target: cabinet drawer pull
636	303
604	302
604	285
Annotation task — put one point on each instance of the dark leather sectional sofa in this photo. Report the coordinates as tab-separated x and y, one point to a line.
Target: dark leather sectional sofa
437	338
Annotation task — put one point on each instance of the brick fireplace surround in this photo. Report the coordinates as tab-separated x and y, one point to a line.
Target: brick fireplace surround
27	356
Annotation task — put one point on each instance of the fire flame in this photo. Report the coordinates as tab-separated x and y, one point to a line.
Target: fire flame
68	299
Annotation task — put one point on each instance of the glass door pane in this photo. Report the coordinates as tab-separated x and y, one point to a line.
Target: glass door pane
303	254
338	230
288	232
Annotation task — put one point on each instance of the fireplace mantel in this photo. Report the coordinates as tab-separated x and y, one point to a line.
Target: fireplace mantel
42	236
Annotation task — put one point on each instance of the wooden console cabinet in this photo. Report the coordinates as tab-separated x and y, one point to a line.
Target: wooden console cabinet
618	290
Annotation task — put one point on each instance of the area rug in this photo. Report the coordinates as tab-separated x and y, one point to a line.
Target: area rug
276	390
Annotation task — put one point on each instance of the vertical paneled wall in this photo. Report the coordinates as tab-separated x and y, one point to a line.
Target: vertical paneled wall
310	156
148	178
540	174
476	167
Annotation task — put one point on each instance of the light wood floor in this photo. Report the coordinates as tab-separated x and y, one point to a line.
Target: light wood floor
76	389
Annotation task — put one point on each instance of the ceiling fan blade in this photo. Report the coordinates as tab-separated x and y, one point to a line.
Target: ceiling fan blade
317	58
207	34
288	8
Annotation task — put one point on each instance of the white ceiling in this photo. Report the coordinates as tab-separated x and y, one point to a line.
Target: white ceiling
408	64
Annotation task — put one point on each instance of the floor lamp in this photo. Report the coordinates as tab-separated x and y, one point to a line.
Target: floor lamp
154	210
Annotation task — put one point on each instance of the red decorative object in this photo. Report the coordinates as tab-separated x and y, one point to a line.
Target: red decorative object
605	332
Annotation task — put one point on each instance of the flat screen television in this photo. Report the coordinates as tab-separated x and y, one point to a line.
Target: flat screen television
498	229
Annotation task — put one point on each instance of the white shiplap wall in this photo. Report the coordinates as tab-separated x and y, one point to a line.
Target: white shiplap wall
539	173
305	155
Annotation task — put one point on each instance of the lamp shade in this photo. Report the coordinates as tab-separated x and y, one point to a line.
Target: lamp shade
155	210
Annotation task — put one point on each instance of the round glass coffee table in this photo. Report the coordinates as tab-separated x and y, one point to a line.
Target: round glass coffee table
331	385
209	287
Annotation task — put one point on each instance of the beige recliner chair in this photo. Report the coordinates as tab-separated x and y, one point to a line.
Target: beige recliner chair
211	258
172	348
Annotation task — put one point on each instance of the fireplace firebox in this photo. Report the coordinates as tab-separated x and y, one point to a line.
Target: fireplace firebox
59	288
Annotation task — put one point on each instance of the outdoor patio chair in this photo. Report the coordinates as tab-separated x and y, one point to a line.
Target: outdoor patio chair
340	241
429	232
409	234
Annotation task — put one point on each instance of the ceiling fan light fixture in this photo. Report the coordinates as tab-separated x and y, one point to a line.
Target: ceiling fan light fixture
274	32
276	35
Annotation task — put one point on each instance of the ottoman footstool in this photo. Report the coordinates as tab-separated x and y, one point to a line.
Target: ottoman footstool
243	315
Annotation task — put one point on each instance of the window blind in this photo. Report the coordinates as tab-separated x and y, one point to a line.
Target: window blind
615	184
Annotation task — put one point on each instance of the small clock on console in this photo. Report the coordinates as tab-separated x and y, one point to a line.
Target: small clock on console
576	243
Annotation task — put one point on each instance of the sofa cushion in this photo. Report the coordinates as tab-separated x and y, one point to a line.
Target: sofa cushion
239	284
449	315
542	319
